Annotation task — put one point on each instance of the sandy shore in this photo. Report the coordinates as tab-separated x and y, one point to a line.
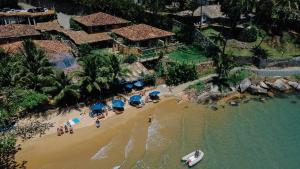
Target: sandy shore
79	150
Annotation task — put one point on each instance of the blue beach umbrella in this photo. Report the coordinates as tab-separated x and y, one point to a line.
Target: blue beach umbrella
138	84
154	93
129	86
118	104
97	106
135	99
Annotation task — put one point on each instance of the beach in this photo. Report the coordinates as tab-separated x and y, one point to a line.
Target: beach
90	147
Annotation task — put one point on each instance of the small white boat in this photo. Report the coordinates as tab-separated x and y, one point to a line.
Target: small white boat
193	158
116	167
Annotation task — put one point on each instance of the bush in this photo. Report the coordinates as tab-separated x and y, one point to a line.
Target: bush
130	59
74	26
180	73
84	50
248	34
237	77
200	86
28	99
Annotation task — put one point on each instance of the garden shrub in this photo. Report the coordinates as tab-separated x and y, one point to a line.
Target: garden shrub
130	59
248	34
178	73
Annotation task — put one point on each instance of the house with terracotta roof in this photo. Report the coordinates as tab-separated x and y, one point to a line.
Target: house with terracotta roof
141	36
96	39
25	17
100	22
17	32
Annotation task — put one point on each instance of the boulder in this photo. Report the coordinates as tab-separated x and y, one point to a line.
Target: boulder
214	89
263	85
280	84
293	84
245	84
258	90
270	94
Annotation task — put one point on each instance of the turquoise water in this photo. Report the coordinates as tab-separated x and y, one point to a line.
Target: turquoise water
253	135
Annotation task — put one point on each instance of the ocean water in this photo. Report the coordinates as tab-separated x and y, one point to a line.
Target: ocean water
252	135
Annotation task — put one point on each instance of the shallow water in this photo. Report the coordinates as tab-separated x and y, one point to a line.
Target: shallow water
253	135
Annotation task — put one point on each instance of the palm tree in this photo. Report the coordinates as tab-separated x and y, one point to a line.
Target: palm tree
95	76
32	67
66	91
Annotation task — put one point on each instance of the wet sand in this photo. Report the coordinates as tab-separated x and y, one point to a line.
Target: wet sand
123	139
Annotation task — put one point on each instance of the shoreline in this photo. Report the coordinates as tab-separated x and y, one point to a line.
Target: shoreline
118	130
85	120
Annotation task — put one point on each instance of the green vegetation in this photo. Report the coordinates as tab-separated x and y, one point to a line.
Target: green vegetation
199	86
178	73
74	26
297	77
189	54
130	59
237	77
277	46
7	152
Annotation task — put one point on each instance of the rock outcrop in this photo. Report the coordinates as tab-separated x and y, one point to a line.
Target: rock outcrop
263	85
245	84
280	84
257	90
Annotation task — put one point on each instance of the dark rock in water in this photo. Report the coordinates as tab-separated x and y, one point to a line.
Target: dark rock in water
262	99
294	102
246	101
213	107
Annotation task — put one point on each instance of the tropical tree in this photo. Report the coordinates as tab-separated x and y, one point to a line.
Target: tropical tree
5	69
234	9
95	76
260	55
32	68
64	89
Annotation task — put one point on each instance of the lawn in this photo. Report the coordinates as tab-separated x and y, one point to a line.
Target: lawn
188	53
278	47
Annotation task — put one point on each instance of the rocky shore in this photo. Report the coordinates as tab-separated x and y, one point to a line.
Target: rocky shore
264	87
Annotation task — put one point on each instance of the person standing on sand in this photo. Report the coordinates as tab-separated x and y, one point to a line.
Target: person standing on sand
71	130
150	119
58	131
66	129
97	123
61	130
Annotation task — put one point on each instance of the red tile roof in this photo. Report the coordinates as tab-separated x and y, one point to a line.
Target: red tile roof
141	32
17	30
100	19
51	47
48	26
81	37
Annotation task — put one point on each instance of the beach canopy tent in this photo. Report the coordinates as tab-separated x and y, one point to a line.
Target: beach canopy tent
138	84
97	108
135	99
154	95
129	86
118	104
